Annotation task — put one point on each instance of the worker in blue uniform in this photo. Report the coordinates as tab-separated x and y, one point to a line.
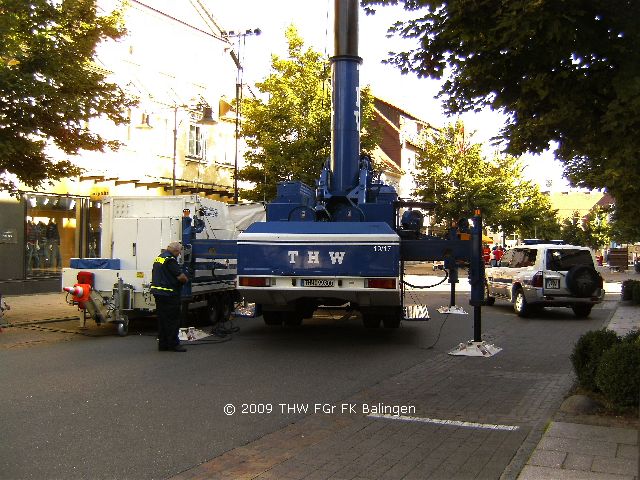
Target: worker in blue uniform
166	282
190	226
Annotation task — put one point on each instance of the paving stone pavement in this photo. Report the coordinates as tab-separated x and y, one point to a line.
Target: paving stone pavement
366	447
356	447
588	452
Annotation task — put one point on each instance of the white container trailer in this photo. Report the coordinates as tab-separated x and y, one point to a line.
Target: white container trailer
134	231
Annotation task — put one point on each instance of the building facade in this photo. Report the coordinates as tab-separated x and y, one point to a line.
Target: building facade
396	155
181	138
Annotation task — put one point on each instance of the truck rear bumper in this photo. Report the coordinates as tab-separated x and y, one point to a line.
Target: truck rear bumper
286	290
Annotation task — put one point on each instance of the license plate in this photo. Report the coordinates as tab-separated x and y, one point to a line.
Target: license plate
317	282
552	283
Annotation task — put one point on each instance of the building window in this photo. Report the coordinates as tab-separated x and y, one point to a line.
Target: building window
50	232
197	146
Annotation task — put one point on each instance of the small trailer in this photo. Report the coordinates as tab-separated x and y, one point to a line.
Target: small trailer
134	231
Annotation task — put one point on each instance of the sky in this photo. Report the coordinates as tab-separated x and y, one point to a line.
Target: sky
314	20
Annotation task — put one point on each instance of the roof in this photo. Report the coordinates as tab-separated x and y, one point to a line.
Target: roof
382	161
569	202
400	110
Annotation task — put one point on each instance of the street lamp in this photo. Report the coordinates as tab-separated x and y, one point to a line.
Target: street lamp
236	56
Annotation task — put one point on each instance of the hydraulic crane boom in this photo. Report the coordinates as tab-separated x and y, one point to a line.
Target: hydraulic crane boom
344	242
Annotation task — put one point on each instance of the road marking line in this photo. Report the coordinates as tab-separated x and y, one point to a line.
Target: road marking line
454	423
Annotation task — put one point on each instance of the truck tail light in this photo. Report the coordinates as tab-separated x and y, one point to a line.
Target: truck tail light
254	282
536	280
389	283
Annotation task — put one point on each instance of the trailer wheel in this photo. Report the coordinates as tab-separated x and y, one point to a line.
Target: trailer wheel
226	307
211	313
123	327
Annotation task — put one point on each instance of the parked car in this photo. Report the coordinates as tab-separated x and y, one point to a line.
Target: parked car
546	275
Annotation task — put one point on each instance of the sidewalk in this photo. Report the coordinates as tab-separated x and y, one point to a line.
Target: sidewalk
44	318
589	452
38	307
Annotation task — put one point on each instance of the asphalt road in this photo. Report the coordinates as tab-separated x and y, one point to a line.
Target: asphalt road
111	407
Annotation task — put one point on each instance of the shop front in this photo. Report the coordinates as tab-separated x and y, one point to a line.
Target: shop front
39	234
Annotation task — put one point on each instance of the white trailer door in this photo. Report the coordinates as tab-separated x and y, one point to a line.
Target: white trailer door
138	241
125	238
150	241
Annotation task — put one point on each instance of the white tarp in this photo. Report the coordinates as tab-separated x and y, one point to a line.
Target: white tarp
223	221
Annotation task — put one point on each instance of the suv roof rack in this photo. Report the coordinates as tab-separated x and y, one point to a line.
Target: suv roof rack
537	241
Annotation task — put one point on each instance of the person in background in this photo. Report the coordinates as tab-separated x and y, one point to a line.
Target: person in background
166	282
43	245
32	246
486	254
190	226
186	225
53	242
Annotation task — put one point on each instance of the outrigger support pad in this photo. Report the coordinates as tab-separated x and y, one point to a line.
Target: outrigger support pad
475	349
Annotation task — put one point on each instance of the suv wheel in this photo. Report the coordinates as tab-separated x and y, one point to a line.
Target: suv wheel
488	299
582	280
581	310
520	303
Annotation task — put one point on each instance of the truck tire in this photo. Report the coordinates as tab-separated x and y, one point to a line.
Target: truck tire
292	319
581	310
371	321
582	280
520	303
272	318
391	322
389	317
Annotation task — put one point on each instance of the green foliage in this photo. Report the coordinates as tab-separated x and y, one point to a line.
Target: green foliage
289	133
49	87
627	289
452	172
572	232
632	337
635	294
618	374
563	72
597	228
546	227
587	353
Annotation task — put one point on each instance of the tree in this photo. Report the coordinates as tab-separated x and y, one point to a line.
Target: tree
452	172
546	227
572	231
597	228
50	88
289	133
527	211
561	71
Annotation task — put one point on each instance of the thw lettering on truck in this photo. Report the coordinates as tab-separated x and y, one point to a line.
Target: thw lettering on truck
313	257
